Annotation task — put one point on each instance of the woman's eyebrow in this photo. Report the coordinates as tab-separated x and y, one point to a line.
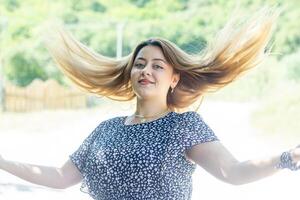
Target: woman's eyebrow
160	60
141	58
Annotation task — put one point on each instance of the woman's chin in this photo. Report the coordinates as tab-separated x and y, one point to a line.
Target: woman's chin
146	95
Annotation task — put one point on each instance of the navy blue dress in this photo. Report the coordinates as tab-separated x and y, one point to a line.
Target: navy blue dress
141	161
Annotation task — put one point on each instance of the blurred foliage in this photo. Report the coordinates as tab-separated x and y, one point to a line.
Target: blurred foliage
24	69
292	63
188	23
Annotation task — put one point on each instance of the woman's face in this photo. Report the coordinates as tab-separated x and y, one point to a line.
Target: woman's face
151	74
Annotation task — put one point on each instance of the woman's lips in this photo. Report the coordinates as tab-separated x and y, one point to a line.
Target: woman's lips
144	82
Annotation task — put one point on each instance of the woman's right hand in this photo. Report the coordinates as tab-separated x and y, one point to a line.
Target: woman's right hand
53	177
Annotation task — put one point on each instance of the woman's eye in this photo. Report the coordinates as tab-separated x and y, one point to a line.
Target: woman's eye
138	65
158	67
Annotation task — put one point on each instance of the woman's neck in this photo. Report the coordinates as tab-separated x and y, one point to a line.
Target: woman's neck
150	108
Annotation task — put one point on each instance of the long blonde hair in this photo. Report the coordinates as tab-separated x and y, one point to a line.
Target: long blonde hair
234	50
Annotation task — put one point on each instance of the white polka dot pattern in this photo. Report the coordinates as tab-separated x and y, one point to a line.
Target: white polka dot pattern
141	161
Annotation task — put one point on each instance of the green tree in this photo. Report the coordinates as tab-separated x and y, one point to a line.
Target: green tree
24	68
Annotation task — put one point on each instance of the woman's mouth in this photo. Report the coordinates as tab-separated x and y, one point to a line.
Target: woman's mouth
144	82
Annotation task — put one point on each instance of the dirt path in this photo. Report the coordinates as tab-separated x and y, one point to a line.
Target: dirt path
47	138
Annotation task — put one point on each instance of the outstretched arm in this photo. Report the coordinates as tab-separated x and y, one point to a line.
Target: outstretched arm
59	178
217	160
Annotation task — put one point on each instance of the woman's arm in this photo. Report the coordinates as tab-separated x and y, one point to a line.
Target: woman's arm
218	161
59	178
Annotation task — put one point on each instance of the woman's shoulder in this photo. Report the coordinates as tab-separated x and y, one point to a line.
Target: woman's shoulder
189	115
112	120
187	118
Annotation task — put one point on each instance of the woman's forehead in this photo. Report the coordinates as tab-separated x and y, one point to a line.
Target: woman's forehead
151	52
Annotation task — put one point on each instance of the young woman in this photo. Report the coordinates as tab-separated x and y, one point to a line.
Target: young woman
152	153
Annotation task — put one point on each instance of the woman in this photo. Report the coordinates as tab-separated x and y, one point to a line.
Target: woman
153	153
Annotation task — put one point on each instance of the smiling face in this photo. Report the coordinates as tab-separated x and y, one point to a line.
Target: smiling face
151	75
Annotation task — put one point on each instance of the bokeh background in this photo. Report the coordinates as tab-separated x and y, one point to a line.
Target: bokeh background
44	117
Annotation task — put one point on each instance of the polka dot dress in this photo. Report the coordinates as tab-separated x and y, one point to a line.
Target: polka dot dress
141	161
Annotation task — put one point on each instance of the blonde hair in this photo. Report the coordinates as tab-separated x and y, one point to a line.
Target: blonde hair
234	50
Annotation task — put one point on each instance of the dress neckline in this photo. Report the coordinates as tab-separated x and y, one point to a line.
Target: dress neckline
123	119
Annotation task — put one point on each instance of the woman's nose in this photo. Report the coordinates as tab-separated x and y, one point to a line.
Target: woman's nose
146	69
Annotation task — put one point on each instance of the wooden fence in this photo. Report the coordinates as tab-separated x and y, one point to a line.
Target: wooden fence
41	95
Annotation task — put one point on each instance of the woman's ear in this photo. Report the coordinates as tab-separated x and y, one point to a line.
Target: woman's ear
175	79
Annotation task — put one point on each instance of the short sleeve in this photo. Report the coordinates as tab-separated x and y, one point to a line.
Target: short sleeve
80	155
196	130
